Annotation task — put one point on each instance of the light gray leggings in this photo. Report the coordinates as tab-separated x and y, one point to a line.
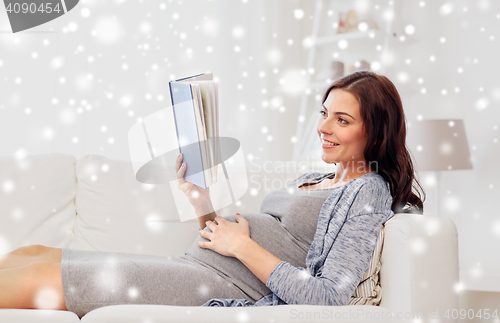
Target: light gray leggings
93	279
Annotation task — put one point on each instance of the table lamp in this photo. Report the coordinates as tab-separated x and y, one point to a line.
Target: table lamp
438	145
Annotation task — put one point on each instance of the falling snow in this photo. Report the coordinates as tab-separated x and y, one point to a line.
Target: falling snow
79	88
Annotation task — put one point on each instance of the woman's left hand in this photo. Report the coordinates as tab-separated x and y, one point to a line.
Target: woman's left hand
226	237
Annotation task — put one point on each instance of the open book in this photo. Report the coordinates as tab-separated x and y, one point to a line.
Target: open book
196	115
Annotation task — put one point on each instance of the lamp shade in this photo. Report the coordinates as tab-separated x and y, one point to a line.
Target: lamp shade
438	145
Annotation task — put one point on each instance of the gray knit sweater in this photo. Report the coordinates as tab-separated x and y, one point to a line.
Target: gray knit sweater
347	230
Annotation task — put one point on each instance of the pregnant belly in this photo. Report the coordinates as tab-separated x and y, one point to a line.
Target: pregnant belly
266	231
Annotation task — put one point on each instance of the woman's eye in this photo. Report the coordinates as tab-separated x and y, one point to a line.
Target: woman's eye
342	121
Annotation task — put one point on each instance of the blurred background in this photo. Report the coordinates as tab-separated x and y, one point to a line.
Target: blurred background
77	84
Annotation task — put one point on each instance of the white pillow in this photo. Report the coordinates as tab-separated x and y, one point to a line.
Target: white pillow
37	201
117	213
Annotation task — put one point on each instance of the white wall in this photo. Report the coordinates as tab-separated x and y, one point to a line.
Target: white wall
154	43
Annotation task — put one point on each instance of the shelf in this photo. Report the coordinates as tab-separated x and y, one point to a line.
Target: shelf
373	34
354	35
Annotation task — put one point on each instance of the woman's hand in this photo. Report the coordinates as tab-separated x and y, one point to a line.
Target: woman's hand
197	196
226	237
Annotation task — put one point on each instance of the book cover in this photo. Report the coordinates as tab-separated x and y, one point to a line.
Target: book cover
191	106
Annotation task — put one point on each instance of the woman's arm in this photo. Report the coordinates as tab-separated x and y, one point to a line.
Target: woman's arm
260	261
342	271
257	259
205	213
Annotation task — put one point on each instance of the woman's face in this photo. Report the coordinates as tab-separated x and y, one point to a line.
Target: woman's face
340	123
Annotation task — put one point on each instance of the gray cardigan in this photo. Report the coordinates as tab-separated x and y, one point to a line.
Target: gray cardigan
348	227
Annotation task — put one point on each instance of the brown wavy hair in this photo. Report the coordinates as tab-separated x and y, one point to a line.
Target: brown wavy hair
385	124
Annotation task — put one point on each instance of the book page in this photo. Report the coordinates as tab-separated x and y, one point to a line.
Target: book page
202	135
213	114
207	155
207	110
216	99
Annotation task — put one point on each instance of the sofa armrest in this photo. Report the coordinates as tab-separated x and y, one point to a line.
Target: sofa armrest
419	270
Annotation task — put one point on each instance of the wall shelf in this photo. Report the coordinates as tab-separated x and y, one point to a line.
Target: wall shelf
353	36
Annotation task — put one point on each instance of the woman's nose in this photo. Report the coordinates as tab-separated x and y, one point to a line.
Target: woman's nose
325	126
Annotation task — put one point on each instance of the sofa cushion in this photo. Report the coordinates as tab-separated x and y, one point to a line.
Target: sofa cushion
117	213
8	315
37	197
273	314
369	291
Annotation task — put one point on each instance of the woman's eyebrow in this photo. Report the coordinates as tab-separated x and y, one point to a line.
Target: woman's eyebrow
338	112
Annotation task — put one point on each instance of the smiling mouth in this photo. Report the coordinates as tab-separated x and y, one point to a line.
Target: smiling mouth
325	142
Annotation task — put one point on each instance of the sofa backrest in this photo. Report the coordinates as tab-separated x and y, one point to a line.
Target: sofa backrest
117	213
96	203
37	196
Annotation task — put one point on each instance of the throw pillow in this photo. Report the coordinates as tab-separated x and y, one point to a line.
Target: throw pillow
369	291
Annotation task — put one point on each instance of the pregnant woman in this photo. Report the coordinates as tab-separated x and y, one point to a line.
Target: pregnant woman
310	243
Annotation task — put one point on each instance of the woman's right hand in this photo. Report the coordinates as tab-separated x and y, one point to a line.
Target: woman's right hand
197	196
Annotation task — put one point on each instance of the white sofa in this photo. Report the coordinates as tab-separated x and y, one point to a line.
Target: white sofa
96	204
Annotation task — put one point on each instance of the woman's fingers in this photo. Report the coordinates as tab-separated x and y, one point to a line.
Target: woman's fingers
180	169
206	234
219	219
211	225
178	162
